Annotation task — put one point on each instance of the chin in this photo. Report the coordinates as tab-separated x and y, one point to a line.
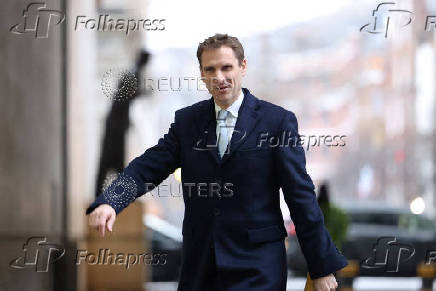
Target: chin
224	97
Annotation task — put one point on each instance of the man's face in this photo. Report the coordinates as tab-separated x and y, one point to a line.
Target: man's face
223	74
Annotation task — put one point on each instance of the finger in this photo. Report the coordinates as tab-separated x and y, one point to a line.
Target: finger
101	229
110	222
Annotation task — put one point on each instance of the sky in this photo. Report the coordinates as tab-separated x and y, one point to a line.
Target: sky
189	22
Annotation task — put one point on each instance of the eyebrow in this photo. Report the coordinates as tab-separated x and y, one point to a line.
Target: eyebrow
212	67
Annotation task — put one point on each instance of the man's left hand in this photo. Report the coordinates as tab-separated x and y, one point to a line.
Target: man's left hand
327	283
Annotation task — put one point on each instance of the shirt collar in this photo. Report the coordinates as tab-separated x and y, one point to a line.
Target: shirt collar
233	108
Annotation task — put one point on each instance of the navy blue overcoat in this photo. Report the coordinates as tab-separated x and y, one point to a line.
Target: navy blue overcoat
232	203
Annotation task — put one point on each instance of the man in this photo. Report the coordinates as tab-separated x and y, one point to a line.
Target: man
233	230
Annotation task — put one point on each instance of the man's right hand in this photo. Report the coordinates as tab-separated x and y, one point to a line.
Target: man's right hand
103	217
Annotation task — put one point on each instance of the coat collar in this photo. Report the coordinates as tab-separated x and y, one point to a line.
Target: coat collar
206	126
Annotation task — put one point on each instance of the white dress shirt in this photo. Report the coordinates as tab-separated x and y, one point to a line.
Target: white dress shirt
232	116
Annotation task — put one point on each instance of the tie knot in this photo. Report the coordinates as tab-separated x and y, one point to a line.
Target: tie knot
222	115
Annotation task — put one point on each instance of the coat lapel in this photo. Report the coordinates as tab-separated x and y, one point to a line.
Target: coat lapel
206	126
247	119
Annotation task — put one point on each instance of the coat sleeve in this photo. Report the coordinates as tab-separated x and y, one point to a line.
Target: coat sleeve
322	256
143	173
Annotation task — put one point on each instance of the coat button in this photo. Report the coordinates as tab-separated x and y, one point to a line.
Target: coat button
216	211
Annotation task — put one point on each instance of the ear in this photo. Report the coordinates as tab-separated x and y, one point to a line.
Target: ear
244	67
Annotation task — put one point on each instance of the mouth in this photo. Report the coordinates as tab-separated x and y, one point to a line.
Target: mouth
223	88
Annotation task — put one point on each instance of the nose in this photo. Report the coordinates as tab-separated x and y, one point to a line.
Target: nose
219	77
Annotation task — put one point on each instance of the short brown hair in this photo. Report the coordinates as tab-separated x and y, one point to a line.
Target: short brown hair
219	40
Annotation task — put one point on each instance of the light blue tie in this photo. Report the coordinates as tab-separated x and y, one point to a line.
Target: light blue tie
223	138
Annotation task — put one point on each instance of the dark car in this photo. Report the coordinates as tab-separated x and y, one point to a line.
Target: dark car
383	241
